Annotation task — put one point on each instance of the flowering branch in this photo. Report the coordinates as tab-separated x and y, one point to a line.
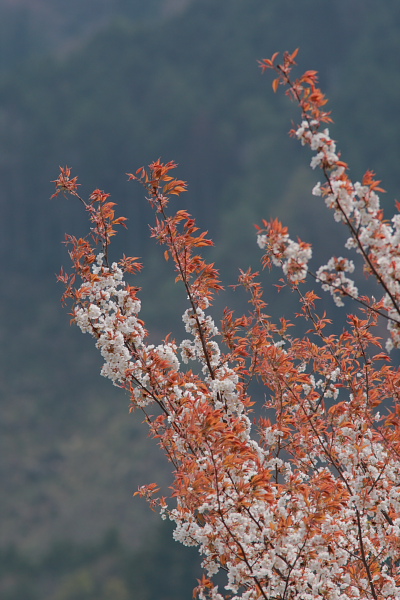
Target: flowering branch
355	204
301	502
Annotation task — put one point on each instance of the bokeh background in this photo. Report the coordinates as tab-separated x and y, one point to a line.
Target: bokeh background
106	86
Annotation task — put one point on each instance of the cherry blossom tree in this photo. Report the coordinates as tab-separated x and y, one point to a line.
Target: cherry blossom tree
304	505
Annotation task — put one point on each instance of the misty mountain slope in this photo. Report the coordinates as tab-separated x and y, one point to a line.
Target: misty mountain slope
185	88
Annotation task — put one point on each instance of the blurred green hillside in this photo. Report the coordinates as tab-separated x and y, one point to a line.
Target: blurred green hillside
106	87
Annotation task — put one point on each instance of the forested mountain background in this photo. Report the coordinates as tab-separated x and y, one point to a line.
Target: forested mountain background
107	86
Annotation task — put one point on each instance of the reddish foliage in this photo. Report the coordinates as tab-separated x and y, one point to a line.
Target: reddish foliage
304	505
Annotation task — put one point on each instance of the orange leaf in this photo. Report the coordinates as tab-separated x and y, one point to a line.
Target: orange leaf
294	54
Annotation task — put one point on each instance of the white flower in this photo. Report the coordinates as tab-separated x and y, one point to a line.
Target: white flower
317	190
93	312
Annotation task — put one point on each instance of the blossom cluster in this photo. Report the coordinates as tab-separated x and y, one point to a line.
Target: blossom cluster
333	279
109	313
292	256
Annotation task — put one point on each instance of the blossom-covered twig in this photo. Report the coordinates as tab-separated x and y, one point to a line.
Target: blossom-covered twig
355	204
